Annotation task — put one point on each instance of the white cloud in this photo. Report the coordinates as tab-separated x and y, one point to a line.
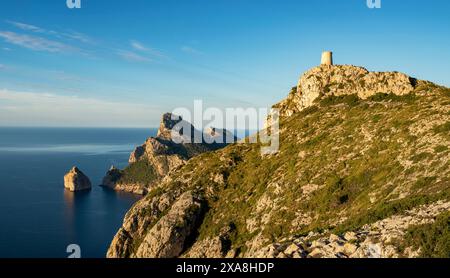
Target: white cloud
44	109
79	37
26	27
35	43
136	45
191	50
67	35
132	56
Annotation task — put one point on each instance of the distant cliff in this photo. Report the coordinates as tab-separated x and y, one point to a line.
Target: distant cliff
160	155
363	170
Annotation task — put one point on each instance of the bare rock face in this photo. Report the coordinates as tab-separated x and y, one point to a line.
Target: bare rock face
75	180
168	237
339	80
141	217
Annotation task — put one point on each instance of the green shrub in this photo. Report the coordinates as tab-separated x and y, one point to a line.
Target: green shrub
432	239
443	128
440	149
141	172
351	100
379	97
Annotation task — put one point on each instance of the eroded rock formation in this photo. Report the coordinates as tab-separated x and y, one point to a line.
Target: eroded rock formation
176	142
75	180
328	80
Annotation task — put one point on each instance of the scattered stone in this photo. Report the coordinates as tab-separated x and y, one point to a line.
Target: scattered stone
349	249
291	249
349	236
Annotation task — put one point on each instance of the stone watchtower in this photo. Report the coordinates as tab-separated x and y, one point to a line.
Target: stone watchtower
327	58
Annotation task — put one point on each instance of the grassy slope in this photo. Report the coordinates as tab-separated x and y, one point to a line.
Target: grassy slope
366	160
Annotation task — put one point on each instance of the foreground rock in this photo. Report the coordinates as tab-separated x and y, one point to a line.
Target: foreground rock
162	237
75	180
168	237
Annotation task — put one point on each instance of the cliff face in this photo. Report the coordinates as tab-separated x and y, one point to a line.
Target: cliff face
159	155
363	170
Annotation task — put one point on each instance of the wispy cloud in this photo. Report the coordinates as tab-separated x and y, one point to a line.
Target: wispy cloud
36	43
132	56
138	46
26	27
71	35
24	108
79	37
191	50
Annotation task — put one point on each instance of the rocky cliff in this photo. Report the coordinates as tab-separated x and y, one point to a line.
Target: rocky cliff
363	170
169	150
75	180
327	80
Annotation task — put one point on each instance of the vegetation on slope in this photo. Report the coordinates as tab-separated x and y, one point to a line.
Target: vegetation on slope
140	172
342	163
433	240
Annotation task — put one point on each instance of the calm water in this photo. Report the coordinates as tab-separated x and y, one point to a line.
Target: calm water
38	217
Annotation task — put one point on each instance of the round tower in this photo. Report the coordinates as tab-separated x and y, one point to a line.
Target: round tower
327	58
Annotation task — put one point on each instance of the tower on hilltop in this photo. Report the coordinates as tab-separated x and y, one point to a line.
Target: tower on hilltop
327	58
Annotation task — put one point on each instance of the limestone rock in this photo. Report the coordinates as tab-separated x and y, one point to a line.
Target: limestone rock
111	177
167	238
339	80
208	248
75	180
176	142
349	249
293	248
143	215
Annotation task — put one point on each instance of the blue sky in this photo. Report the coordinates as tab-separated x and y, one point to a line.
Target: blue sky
124	63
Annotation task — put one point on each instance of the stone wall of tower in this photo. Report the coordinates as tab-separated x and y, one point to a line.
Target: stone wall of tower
327	58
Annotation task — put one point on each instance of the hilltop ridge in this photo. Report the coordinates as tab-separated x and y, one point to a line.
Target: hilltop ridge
340	80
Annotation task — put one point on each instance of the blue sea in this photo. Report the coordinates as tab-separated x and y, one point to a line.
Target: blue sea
39	219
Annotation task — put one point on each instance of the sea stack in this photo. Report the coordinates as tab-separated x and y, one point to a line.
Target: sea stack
75	180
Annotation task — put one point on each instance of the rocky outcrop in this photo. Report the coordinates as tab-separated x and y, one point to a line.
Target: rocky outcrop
177	137
111	177
216	247
112	180
75	180
169	236
162	237
339	80
176	142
